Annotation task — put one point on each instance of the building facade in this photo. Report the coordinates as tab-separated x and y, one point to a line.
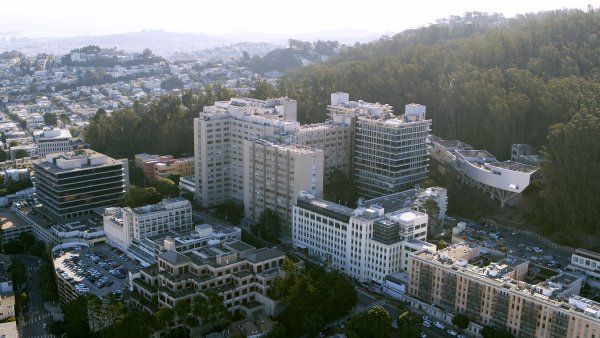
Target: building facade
237	272
390	153
497	293
70	185
587	262
219	135
366	243
125	226
275	174
52	141
331	137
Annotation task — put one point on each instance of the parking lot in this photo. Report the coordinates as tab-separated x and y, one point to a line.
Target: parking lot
517	244
99	270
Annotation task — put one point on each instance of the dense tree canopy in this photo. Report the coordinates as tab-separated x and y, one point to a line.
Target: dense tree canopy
268	226
314	297
341	189
163	126
461	321
50	119
375	323
409	324
571	185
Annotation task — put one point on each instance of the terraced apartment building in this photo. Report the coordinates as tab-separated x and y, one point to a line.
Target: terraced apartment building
500	293
234	270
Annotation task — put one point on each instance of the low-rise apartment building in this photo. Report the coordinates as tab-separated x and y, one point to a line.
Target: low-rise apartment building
503	292
367	243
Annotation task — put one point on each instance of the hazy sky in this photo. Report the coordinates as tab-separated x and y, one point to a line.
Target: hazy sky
37	18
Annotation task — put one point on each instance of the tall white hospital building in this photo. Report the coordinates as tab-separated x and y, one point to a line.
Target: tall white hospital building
385	153
367	243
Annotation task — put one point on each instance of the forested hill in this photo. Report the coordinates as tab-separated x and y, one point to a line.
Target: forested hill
490	82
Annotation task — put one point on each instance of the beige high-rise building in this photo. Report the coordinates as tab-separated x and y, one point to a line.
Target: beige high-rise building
275	174
219	133
333	138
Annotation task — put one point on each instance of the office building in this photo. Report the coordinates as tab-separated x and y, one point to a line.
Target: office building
501	292
275	174
367	243
73	184
390	153
50	141
125	226
587	262
503	180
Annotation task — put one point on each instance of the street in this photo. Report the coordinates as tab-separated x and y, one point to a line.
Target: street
34	316
367	301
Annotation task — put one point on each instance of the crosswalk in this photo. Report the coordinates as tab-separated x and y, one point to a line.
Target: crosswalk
362	308
44	336
36	319
32	268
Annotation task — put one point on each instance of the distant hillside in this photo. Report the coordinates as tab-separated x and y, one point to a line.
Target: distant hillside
293	57
235	51
161	42
167	43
